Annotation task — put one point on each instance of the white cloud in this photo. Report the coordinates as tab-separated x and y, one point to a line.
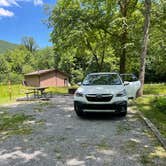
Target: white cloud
7	3
38	2
13	2
4	3
6	13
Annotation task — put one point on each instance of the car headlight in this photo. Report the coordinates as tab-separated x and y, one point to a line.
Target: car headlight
121	93
79	94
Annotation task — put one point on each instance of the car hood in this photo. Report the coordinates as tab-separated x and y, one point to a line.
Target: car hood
102	89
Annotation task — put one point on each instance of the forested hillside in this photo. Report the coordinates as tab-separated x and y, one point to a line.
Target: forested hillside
5	46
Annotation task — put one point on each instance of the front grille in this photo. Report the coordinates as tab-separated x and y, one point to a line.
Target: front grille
100	106
99	97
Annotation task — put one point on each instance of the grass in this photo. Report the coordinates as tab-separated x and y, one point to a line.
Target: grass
16	91
19	91
154	157
58	90
11	124
155	89
154	107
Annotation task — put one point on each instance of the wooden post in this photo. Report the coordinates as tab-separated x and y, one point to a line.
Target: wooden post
10	90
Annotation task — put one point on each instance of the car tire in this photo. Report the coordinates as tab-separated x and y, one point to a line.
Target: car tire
78	109
123	111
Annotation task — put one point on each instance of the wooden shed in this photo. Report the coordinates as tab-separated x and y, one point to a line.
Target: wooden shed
49	77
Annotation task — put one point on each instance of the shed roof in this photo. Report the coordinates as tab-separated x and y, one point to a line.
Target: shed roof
41	72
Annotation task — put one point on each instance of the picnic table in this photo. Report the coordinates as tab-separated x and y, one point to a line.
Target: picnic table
38	92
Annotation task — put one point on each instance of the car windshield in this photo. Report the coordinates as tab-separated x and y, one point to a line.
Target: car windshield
102	79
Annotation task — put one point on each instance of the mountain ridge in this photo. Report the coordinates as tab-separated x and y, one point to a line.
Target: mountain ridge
5	46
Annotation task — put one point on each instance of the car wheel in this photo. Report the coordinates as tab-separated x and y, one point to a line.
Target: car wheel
78	110
123	111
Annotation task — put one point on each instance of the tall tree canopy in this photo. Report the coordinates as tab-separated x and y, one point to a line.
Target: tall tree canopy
99	30
29	43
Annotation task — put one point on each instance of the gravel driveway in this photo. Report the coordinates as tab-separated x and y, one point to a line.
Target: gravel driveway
58	138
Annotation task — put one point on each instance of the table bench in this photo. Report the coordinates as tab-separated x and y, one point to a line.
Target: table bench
28	93
38	92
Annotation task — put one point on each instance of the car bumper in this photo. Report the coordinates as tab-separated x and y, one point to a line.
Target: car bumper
113	107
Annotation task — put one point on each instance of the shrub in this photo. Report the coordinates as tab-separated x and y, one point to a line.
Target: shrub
160	104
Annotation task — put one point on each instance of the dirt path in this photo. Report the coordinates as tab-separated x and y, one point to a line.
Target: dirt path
58	138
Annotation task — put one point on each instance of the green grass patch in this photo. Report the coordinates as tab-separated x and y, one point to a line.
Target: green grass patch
154	108
11	124
8	96
155	89
58	90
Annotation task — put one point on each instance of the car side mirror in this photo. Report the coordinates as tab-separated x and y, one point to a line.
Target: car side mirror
134	79
79	83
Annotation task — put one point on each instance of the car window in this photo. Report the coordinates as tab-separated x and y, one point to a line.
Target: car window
102	79
128	77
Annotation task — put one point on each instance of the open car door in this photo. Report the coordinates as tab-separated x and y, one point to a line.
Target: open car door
132	84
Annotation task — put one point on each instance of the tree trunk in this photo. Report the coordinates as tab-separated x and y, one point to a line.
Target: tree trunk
123	10
144	46
123	53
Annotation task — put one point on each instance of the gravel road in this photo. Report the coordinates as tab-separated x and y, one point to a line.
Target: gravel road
60	138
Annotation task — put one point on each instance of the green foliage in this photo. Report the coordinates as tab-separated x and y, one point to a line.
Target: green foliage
92	36
14	64
104	35
157	57
78	35
77	76
44	58
3	65
160	104
154	109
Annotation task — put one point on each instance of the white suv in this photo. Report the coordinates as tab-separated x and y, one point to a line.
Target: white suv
101	92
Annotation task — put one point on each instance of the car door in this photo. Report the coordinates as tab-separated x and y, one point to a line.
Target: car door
132	84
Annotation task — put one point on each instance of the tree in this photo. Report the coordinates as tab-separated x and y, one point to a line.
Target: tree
29	43
79	26
155	66
44	58
14	64
102	28
127	7
144	45
106	35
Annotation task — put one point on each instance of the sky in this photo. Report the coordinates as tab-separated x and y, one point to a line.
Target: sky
19	18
